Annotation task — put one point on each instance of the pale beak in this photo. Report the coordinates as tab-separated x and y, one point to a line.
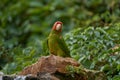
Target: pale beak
58	27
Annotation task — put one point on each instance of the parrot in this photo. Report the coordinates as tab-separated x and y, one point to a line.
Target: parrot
55	43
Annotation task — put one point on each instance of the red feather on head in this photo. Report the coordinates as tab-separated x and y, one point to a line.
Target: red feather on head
55	24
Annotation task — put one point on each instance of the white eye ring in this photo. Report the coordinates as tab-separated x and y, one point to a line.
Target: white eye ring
58	27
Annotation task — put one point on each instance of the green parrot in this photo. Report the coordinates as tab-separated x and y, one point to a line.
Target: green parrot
55	43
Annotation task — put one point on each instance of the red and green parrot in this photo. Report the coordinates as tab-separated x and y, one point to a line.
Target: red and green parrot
55	43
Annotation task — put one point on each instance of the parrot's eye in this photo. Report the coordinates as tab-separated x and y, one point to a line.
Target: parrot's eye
58	27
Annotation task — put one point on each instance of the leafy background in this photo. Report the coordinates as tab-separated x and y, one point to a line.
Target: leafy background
91	30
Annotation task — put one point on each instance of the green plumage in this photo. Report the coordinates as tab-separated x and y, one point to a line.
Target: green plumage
56	44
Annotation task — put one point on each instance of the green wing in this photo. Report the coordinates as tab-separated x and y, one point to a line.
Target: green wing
45	47
63	46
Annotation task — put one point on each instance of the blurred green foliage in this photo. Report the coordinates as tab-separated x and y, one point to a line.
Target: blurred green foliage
97	48
24	24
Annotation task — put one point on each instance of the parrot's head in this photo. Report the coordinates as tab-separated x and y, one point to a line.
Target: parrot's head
57	26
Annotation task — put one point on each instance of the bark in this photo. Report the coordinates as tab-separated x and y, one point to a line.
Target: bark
55	68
